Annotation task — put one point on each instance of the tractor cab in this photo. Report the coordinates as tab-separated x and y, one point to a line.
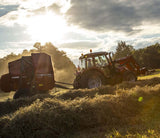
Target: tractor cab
96	59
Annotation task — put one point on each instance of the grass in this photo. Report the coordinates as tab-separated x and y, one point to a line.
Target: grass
5	96
153	75
123	110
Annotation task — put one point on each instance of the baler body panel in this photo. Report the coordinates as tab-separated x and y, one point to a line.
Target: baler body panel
32	72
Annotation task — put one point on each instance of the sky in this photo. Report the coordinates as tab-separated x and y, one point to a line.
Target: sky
76	26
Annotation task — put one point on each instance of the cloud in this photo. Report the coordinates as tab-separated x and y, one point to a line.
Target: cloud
113	15
4	9
55	8
14	33
143	42
14	47
11	13
80	45
96	24
9	2
39	11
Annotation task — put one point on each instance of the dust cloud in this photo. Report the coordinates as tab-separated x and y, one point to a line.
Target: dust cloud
63	67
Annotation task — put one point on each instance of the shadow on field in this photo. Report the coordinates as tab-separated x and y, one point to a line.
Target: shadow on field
11	106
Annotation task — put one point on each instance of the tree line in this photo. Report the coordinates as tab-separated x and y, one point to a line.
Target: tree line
64	67
148	56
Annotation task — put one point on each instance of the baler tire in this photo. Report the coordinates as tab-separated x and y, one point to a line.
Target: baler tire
22	93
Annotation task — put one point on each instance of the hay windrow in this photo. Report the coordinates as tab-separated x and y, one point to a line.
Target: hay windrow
70	112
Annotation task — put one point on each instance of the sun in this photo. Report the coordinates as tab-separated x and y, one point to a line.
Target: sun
47	28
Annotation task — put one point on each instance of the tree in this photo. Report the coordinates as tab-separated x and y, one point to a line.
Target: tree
149	56
38	46
123	50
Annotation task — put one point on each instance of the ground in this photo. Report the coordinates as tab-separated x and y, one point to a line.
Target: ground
123	110
154	74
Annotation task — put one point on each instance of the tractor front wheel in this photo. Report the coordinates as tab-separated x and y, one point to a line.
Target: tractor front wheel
130	76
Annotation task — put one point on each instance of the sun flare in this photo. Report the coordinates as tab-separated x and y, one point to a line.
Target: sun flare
47	28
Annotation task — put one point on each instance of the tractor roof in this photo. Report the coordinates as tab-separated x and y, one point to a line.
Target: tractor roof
93	54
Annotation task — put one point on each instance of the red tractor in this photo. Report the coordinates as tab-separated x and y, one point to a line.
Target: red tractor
29	75
99	68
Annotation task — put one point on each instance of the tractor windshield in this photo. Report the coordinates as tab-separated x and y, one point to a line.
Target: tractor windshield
97	59
86	63
90	62
101	60
82	63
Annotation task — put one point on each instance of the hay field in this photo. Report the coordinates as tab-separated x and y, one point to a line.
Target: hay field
153	75
123	110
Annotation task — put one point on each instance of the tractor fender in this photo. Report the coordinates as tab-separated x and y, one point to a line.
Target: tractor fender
94	69
129	76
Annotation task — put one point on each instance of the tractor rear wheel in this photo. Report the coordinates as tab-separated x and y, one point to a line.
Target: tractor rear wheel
92	79
130	76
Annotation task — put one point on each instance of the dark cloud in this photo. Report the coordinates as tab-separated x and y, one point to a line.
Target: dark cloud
117	15
150	11
4	9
